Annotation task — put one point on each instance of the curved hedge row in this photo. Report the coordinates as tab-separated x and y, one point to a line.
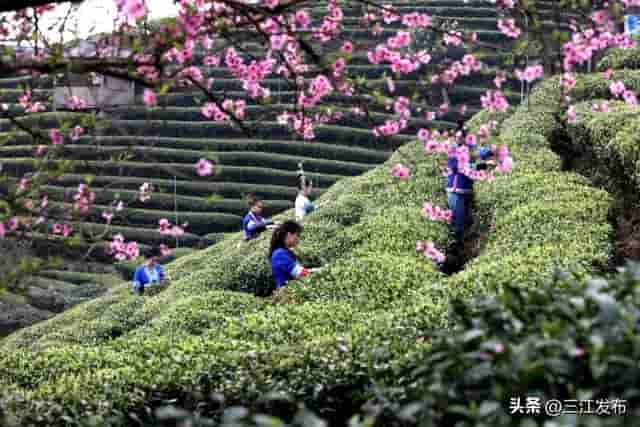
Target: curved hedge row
191	157
376	291
292	147
166	171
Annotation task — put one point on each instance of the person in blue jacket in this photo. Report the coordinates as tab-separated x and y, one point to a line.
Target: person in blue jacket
460	190
149	273
253	223
284	263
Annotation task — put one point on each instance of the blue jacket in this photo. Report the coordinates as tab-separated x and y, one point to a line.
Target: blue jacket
252	225
284	267
141	278
457	180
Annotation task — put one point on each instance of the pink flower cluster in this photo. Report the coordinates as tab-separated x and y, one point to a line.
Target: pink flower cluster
123	251
583	45
83	199
133	9
530	74
465	67
319	87
331	24
401	172
76	103
568	81
618	89
494	100
167	229
430	251
237	108
204	167
63	230
505	4
12	225
149	98
56	137
509	28
417	20
390	127
30	107
435	213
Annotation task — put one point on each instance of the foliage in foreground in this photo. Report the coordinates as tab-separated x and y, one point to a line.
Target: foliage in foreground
567	339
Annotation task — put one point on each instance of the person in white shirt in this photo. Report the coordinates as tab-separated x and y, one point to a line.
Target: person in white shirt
303	204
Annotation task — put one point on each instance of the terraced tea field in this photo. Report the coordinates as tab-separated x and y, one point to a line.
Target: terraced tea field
162	145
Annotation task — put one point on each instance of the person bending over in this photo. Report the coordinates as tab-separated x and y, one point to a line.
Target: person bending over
253	223
284	263
303	204
149	273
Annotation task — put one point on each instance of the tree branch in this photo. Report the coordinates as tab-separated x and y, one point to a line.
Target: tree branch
10	6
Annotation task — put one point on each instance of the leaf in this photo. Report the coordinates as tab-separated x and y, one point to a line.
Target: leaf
488	407
472	335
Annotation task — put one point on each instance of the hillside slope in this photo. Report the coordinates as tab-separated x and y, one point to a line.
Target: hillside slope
162	145
207	331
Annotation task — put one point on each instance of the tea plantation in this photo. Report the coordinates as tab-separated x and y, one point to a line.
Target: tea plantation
378	310
131	145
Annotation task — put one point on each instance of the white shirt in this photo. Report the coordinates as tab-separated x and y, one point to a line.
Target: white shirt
301	207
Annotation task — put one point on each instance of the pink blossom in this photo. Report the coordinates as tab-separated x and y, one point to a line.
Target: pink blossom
135	9
3	230
402	106
13	224
347	47
630	98
302	19
164	226
401	172
57	228
132	251
608	73
568	81
423	134
508	27
431	252
204	167
505	166
76	103
66	230
56	137
420	246
530	74
435	213
150	98
617	88
499	348
572	116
